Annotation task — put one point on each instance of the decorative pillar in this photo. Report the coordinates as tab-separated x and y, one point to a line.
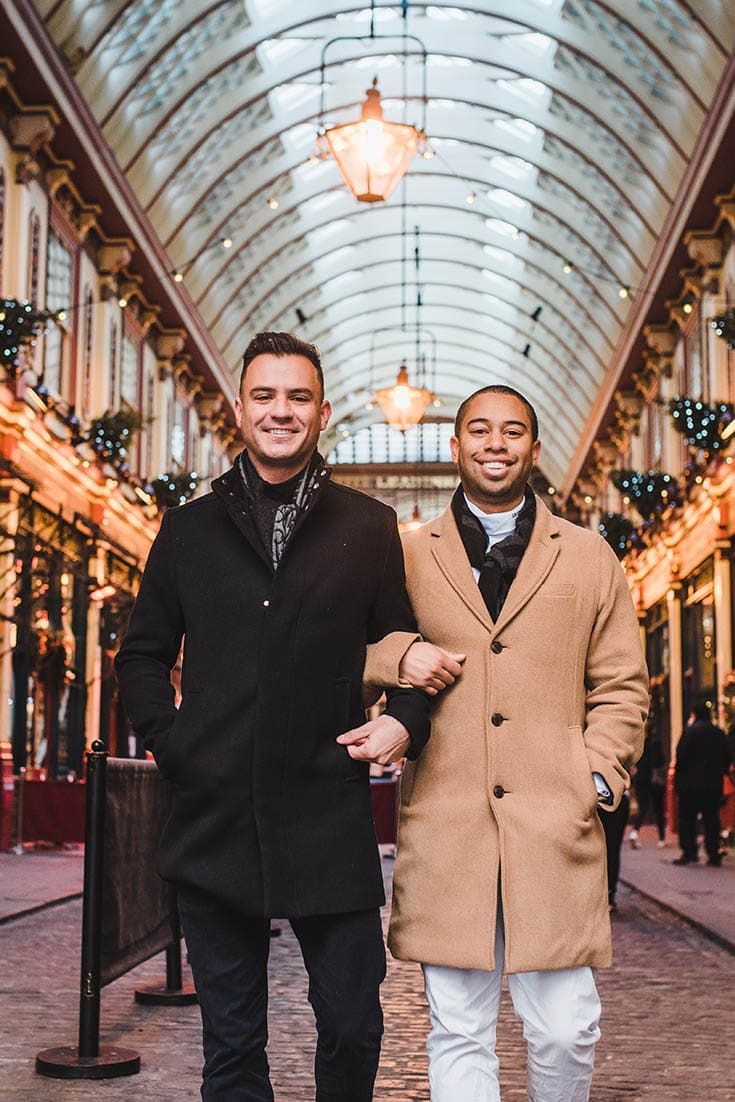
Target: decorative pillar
723	618
94	653
11	492
676	665
676	695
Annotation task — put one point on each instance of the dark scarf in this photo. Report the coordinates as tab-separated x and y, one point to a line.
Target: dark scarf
278	506
498	566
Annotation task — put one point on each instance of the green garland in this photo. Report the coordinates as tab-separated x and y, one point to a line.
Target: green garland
700	423
651	492
20	322
111	434
724	326
174	489
618	531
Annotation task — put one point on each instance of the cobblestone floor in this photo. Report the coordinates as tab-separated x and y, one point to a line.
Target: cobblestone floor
668	1032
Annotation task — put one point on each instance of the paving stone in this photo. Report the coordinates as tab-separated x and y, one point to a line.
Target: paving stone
667	1029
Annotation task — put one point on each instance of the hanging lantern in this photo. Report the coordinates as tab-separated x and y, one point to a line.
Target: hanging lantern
372	154
403	404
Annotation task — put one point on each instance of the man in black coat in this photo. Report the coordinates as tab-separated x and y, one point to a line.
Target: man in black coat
275	581
702	760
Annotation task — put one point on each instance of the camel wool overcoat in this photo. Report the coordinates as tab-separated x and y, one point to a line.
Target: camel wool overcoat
502	802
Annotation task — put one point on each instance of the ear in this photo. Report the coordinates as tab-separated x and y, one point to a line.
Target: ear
324	414
238	412
535	451
454	448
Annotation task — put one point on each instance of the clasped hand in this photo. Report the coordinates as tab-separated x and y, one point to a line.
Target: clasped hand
425	666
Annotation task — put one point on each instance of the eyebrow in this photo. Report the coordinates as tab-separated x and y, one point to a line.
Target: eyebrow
272	390
486	421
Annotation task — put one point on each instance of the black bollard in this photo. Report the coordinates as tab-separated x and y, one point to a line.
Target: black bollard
175	992
89	1060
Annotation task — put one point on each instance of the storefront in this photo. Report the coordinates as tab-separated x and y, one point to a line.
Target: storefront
658	658
699	642
49	655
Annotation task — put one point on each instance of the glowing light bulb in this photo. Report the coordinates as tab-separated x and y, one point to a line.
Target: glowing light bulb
402	397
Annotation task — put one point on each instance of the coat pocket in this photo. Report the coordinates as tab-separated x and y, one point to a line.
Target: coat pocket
584	782
179	739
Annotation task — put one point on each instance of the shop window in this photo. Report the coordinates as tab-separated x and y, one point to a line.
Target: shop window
34	258
122	578
178	434
129	371
698	638
50	649
696	381
86	396
59	290
146	435
113	377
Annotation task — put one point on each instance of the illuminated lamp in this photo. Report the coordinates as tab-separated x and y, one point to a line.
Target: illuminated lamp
372	155
403	404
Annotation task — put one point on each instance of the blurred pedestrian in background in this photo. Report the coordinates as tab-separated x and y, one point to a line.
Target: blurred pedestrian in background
614	824
702	761
649	785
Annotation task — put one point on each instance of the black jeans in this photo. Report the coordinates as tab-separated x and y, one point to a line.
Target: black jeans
692	804
345	959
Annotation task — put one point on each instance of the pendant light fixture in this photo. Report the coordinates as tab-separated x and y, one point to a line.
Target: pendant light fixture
372	153
403	404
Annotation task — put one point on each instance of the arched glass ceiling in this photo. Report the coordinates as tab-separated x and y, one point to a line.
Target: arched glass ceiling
571	120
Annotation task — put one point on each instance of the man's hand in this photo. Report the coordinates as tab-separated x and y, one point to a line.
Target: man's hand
382	741
430	668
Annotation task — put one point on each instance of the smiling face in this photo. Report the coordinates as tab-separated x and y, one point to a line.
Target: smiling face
280	413
495	451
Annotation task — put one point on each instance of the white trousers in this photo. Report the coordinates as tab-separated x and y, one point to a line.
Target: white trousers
560	1012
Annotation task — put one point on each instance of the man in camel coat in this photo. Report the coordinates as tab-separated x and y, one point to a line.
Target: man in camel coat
541	696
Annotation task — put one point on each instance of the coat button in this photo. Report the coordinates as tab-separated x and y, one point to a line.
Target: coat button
496	719
499	791
496	647
266	604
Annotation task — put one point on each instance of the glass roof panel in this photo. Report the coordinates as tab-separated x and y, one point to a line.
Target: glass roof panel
560	131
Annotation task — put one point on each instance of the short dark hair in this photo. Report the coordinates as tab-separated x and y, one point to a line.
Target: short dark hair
702	711
281	344
498	388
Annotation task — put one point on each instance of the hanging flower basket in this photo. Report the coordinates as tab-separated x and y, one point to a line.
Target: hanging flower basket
618	531
651	492
174	489
111	434
702	424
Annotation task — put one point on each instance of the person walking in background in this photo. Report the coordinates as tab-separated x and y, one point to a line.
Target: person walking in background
702	761
277	579
649	785
614	824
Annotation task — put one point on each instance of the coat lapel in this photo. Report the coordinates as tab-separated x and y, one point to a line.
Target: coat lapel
448	550
228	490
535	565
451	557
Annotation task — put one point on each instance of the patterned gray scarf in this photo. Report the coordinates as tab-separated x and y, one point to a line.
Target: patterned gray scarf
276	519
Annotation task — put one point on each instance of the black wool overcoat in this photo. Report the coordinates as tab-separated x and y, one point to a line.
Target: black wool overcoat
269	813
